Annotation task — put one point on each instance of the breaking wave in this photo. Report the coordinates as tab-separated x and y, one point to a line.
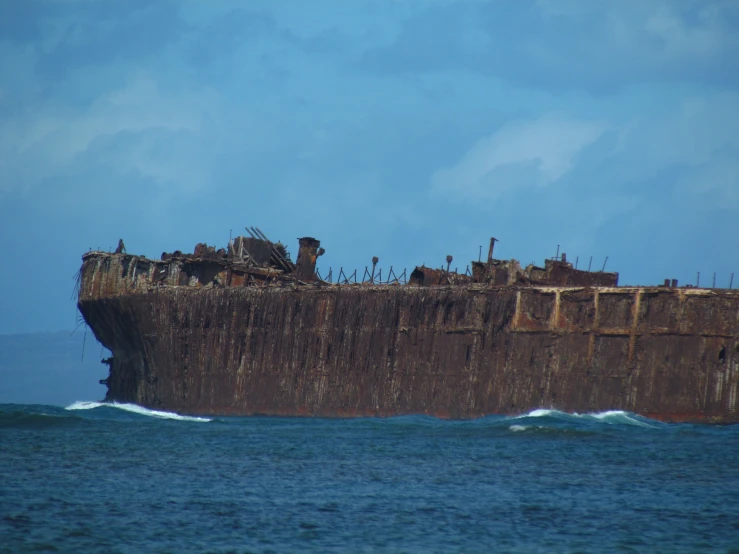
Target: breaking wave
133	408
611	417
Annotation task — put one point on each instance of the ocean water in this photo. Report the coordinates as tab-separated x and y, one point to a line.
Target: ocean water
120	478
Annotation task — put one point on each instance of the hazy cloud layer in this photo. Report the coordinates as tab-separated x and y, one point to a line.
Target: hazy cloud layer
594	46
527	154
407	130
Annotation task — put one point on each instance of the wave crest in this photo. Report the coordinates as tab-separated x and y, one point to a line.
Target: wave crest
134	408
612	417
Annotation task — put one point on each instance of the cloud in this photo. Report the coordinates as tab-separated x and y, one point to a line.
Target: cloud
532	153
646	150
595	46
681	156
52	139
713	183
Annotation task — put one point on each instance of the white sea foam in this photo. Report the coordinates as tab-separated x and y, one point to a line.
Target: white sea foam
610	416
541	413
517	428
618	416
133	408
84	405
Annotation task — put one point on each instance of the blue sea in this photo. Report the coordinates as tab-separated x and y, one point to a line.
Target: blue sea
97	477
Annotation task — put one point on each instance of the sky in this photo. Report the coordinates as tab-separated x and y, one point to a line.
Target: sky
403	129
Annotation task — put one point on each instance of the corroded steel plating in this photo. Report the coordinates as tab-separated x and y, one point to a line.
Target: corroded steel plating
244	330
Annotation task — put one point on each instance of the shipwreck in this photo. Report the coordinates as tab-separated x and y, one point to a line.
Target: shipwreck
245	330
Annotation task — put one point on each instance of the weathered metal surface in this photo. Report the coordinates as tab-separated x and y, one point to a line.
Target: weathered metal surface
556	272
308	253
428	277
225	336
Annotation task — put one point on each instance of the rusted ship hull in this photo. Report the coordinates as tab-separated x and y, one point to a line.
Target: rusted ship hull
378	350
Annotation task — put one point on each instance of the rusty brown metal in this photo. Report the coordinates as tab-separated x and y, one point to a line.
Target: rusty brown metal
308	253
254	251
427	277
562	273
220	334
493	240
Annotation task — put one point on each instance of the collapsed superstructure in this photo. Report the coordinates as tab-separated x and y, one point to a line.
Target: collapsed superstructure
246	330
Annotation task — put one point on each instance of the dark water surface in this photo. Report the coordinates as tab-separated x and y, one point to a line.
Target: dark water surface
98	478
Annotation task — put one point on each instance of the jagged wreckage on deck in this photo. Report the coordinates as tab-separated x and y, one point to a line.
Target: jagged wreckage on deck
245	330
257	261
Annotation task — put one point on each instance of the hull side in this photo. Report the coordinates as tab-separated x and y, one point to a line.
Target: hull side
457	352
